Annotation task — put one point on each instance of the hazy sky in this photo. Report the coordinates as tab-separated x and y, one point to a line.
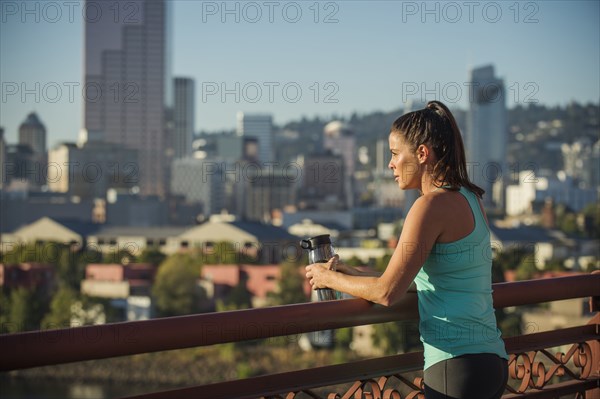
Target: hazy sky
308	58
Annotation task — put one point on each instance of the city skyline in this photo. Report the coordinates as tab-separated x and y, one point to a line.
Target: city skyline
342	57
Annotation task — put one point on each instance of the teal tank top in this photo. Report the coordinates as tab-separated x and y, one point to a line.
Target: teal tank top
455	296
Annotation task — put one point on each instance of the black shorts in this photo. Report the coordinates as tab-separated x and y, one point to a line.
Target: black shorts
477	376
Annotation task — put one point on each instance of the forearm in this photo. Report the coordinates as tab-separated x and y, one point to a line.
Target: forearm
366	286
355	271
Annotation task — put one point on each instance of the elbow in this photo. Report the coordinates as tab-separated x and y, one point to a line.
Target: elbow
390	295
387	300
387	296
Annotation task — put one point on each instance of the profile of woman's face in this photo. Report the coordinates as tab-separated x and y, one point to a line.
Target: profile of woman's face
403	163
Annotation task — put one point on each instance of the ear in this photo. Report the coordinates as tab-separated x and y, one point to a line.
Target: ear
423	153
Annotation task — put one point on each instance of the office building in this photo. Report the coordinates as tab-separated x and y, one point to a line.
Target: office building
128	96
183	117
487	134
259	126
91	170
581	160
200	181
32	132
261	193
2	159
323	185
339	138
536	188
22	170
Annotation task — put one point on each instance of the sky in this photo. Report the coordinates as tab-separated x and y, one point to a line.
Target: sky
308	58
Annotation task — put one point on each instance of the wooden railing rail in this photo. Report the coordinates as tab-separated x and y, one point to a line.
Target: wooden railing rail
39	348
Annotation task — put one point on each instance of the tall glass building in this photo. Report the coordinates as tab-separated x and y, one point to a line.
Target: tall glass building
259	126
128	85
183	117
487	135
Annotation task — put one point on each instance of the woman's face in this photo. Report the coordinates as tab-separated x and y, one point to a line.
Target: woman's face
404	163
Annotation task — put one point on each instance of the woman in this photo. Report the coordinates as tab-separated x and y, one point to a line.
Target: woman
445	248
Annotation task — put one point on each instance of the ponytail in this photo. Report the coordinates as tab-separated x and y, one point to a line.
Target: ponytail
435	125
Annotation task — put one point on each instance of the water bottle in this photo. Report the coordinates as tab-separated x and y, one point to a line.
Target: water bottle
320	250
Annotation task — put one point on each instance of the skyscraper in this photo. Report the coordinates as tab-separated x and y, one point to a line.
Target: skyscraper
259	126
183	118
486	135
32	135
339	138
128	83
32	132
95	168
2	158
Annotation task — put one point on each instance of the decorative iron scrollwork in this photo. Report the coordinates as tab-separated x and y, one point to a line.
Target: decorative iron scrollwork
369	389
529	370
537	373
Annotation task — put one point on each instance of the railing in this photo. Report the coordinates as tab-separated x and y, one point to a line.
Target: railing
372	378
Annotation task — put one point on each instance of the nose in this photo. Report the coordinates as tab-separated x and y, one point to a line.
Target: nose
390	165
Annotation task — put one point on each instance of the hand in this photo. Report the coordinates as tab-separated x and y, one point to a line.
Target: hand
345	269
318	273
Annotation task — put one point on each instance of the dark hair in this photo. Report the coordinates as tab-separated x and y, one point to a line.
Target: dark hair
435	126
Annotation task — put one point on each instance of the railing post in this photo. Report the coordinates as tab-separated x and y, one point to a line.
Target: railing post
595	300
595	345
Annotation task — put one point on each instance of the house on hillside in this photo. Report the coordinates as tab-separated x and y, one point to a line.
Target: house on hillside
45	229
135	239
269	244
544	244
260	280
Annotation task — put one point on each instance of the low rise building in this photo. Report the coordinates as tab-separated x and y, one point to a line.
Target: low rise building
118	281
29	275
260	280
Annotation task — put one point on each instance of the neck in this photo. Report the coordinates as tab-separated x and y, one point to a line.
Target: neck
428	185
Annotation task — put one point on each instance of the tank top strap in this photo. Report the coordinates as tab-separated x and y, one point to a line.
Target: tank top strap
479	219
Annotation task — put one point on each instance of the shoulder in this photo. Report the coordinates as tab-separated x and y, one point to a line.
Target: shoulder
433	203
428	208
438	208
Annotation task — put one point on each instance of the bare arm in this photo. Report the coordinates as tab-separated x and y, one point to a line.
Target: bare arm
352	271
421	229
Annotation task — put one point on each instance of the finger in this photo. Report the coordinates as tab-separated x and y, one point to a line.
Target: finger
333	262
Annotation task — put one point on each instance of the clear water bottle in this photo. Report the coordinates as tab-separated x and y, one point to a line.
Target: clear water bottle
320	250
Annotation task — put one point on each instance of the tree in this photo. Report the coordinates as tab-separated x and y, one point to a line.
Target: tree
591	217
152	255
382	262
510	258
395	337
354	261
26	311
238	298
175	289
4	312
526	269
60	309
291	285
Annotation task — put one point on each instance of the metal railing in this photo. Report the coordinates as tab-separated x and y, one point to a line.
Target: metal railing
372	378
